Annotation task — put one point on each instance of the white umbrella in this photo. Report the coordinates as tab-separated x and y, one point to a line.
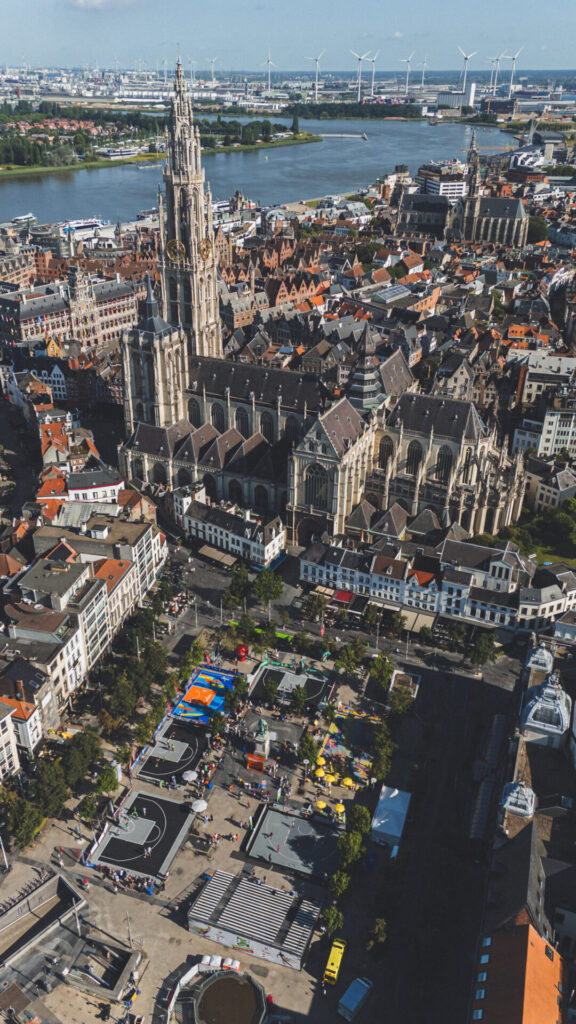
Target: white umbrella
190	776
199	805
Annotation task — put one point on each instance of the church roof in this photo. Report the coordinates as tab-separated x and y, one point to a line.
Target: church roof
395	374
447	417
217	455
159	440
296	390
150	321
505	208
343	425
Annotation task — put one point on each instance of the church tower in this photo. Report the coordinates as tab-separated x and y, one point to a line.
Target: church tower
155	362
187	258
472	202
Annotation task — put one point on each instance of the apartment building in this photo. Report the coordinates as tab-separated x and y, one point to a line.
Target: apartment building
259	540
9	760
27	724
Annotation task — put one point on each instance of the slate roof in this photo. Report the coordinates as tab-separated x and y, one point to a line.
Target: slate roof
516	879
343	425
297	391
448	417
502	207
395	374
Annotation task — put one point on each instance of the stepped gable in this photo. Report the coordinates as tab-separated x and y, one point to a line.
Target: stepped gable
297	390
447	417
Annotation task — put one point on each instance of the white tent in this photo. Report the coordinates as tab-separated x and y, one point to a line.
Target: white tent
390	816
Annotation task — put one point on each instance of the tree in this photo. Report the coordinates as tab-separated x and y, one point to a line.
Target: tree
88	808
142	732
267	587
426	636
299	698
108	723
307	749
350	849
50	790
351	656
123	697
24	822
240	686
330	710
270	690
397	623
268	634
80	143
400	704
537	230
217	723
107	781
239	587
314	606
371	617
333	920
381	672
170	687
339	884
483	649
378	933
359	820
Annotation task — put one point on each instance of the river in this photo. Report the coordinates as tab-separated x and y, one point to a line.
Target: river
268	176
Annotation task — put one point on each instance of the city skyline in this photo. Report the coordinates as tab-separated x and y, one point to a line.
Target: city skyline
74	32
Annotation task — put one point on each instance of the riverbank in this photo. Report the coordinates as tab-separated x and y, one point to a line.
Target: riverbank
149	159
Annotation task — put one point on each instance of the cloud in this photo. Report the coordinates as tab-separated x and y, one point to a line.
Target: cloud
397	35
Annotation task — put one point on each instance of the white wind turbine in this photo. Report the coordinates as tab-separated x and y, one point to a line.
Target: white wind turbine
317	63
513	58
467	57
270	64
193	64
360	59
372	61
407	61
423	65
212	62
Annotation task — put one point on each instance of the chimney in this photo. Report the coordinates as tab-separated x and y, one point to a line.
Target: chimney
20	688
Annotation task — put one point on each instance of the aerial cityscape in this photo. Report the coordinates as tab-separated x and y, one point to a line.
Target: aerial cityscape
287	514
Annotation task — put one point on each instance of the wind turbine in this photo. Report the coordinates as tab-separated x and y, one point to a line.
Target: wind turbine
270	63
359	78
212	62
193	64
317	62
513	58
372	61
496	62
407	61
424	65
467	57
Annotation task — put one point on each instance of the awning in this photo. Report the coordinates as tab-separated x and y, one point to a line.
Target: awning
217	556
415	619
343	596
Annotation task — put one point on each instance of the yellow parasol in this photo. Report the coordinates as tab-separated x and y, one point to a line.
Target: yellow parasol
321	804
321	760
331	779
339	808
347	781
319	773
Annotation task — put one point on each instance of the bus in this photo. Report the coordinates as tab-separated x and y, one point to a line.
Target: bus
334	961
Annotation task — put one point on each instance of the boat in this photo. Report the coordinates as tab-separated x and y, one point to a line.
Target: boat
83	225
152	212
364	136
24	218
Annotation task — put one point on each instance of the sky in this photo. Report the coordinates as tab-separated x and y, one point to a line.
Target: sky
240	32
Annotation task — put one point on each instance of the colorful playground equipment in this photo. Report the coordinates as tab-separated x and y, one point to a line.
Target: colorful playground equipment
204	695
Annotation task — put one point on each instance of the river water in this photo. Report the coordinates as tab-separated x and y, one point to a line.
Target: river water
337	164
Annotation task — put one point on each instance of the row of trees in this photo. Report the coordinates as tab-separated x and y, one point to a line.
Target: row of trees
370	111
267	586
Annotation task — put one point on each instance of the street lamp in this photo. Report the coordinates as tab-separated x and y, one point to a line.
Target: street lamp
6	865
305	762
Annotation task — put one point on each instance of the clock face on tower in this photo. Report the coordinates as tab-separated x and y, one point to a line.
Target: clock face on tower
175	250
205	248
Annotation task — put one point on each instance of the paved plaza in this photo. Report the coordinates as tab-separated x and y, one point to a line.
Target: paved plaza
302	845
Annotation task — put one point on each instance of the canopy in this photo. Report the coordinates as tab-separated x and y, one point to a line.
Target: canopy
339	808
190	776
347	781
321	761
331	779
319	773
199	805
321	804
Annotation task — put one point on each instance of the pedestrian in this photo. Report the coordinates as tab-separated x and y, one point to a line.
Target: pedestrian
144	812
278	849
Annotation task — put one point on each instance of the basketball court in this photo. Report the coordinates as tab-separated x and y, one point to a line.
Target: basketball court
317	685
306	847
148	832
176	749
204	695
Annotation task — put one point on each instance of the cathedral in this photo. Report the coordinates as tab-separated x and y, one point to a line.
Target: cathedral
490	219
272	439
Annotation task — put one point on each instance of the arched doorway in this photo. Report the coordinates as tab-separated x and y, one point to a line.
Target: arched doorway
159	474
235	492
261	497
318	489
210	487
413	458
218	418
267	427
183	478
242	422
194	413
385	452
444	464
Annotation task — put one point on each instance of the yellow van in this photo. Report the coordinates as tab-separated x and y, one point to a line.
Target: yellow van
334	960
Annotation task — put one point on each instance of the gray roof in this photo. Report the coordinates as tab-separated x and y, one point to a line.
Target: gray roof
503	208
395	374
51	577
93	478
448	417
296	391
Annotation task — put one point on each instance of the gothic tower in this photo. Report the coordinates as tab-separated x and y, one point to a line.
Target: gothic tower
472	202
155	363
187	259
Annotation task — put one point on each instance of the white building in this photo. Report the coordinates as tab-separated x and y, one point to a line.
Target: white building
240	532
26	722
546	717
9	760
